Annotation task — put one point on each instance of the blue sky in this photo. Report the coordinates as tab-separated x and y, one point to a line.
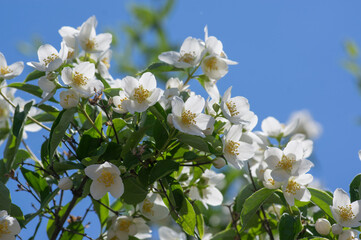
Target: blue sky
290	56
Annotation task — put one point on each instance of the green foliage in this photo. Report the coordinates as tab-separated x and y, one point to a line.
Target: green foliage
322	199
289	226
355	188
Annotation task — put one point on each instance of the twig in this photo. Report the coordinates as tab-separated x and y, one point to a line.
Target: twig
110	209
77	233
170	203
265	222
31	118
32	154
234	222
76	194
83	111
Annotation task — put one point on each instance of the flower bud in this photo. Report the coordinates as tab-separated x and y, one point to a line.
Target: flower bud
336	229
122	169
65	183
69	99
323	226
219	162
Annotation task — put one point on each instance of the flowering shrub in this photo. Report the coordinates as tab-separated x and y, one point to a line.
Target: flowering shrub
152	150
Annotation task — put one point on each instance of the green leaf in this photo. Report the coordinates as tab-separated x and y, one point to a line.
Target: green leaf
111	92
32	89
17	213
102	211
119	124
289	227
37	182
21	156
322	199
355	188
90	140
133	141
134	191
160	67
5	200
59	128
66	165
226	234
162	169
187	217
245	193
189	155
160	135
34	75
194	141
76	227
199	220
20	117
253	203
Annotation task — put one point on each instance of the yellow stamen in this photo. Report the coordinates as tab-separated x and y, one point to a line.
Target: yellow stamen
106	62
90	44
346	212
70	54
121	101
79	79
148	207
232	147
4	227
50	58
232	108
211	64
141	94
5	70
286	163
188	118
106	178
2	112
292	187
271	181
124	224
187	58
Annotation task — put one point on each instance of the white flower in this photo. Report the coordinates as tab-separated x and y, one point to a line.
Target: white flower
288	162
9	226
323	226
82	79
235	109
140	94
166	233
307	144
125	226
49	58
118	103
46	83
215	65
187	116
106	178
295	187
176	83
349	234
268	180
207	192
90	41
234	150
306	124
190	54
345	213
65	183
69	98
9	72
153	207
104	63
166	99
273	128
70	37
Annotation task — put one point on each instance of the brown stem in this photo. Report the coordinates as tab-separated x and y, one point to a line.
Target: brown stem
265	222
76	194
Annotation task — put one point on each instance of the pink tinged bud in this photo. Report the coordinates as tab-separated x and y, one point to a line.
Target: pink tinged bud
65	183
323	226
